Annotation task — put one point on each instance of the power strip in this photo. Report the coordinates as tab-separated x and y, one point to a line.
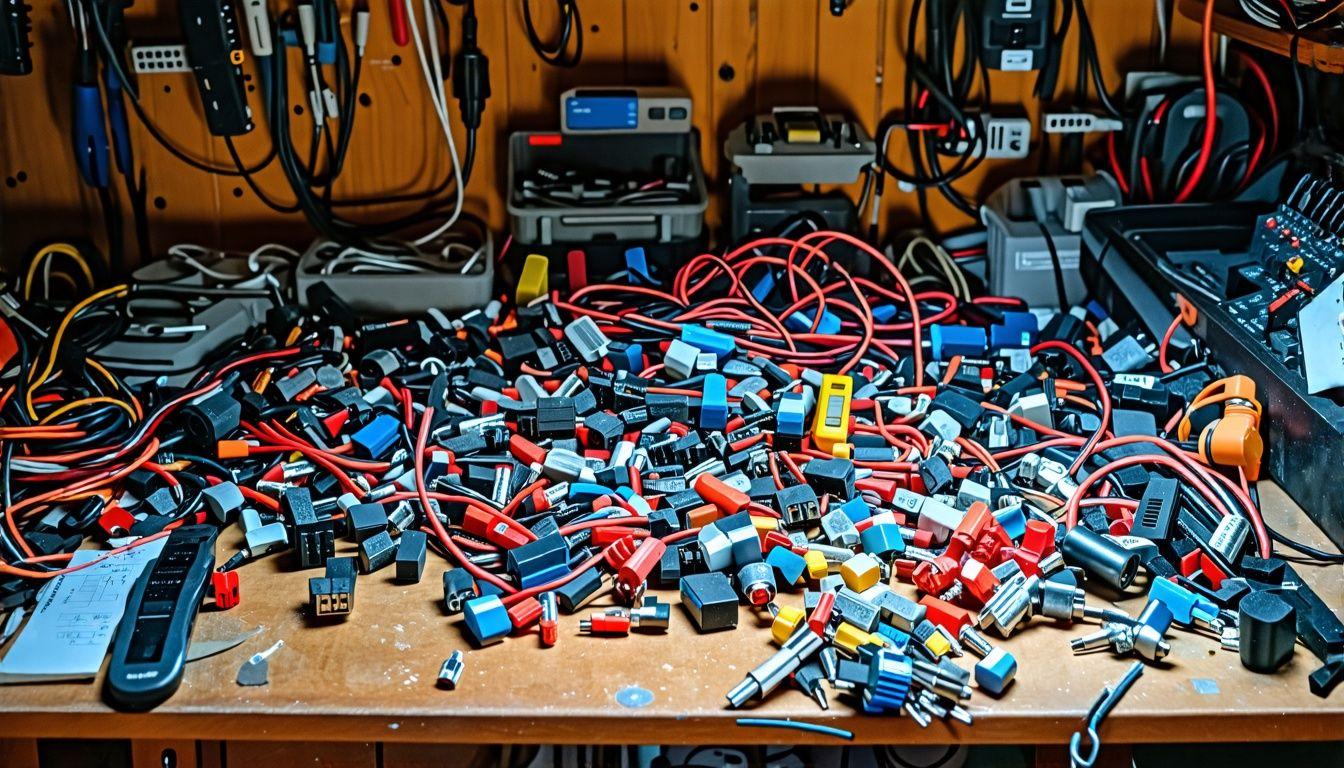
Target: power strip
1079	122
1006	138
159	59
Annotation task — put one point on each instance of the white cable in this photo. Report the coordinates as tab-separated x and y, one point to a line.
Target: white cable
437	98
1162	33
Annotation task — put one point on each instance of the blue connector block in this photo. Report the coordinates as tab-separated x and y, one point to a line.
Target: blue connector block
882	540
889	676
949	340
883	313
583	493
788	565
791	415
856	509
638	503
896	639
994	672
543	553
375	439
326	52
631	360
1018	329
705	340
714	402
761	291
1095	309
637	265
801	322
544	576
1185	606
1013	521
487	620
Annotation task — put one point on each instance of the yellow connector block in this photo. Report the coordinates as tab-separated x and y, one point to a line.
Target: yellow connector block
850	637
861	572
938	644
830	426
1295	264
817	567
535	280
786	621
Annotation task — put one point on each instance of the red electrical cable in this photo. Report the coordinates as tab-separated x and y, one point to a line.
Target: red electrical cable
1210	108
1166	341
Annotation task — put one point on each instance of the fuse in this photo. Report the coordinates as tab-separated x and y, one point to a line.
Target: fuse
549	621
830	426
610	624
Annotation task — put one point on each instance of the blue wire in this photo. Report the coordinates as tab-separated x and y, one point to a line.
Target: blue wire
797	725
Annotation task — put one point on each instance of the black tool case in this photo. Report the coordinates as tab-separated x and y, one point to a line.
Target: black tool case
1135	259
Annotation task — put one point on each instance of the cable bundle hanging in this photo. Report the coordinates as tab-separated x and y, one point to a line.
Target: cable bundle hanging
559	53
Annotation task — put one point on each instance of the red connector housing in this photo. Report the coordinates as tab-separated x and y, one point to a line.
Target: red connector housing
728	499
946	615
632	574
225	586
821	614
525	613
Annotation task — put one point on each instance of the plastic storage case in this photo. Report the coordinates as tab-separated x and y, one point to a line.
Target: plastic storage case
598	155
400	293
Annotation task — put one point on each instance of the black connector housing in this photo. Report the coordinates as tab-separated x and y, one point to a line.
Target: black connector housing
411	549
333	594
833	476
314	538
798	506
1155	517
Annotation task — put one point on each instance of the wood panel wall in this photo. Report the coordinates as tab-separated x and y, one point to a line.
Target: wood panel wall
734	57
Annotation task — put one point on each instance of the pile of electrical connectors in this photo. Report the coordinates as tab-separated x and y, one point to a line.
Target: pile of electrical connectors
895	476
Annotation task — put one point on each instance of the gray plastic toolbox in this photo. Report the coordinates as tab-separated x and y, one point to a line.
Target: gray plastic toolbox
379	293
614	154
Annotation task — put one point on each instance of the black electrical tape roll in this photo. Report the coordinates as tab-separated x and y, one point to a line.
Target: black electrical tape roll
1268	627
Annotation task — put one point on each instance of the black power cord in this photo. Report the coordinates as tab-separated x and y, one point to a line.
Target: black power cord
471	84
558	54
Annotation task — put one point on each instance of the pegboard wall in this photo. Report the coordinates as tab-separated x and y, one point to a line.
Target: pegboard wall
735	57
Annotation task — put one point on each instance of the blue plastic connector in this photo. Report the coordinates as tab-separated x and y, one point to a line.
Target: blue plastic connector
888	682
375	439
714	402
950	340
487	620
788	565
882	540
1186	607
994	672
706	340
1018	329
856	509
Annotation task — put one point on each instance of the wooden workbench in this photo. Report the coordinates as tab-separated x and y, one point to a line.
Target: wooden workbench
371	680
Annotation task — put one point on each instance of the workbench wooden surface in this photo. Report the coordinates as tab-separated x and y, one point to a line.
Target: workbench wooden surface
371	679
